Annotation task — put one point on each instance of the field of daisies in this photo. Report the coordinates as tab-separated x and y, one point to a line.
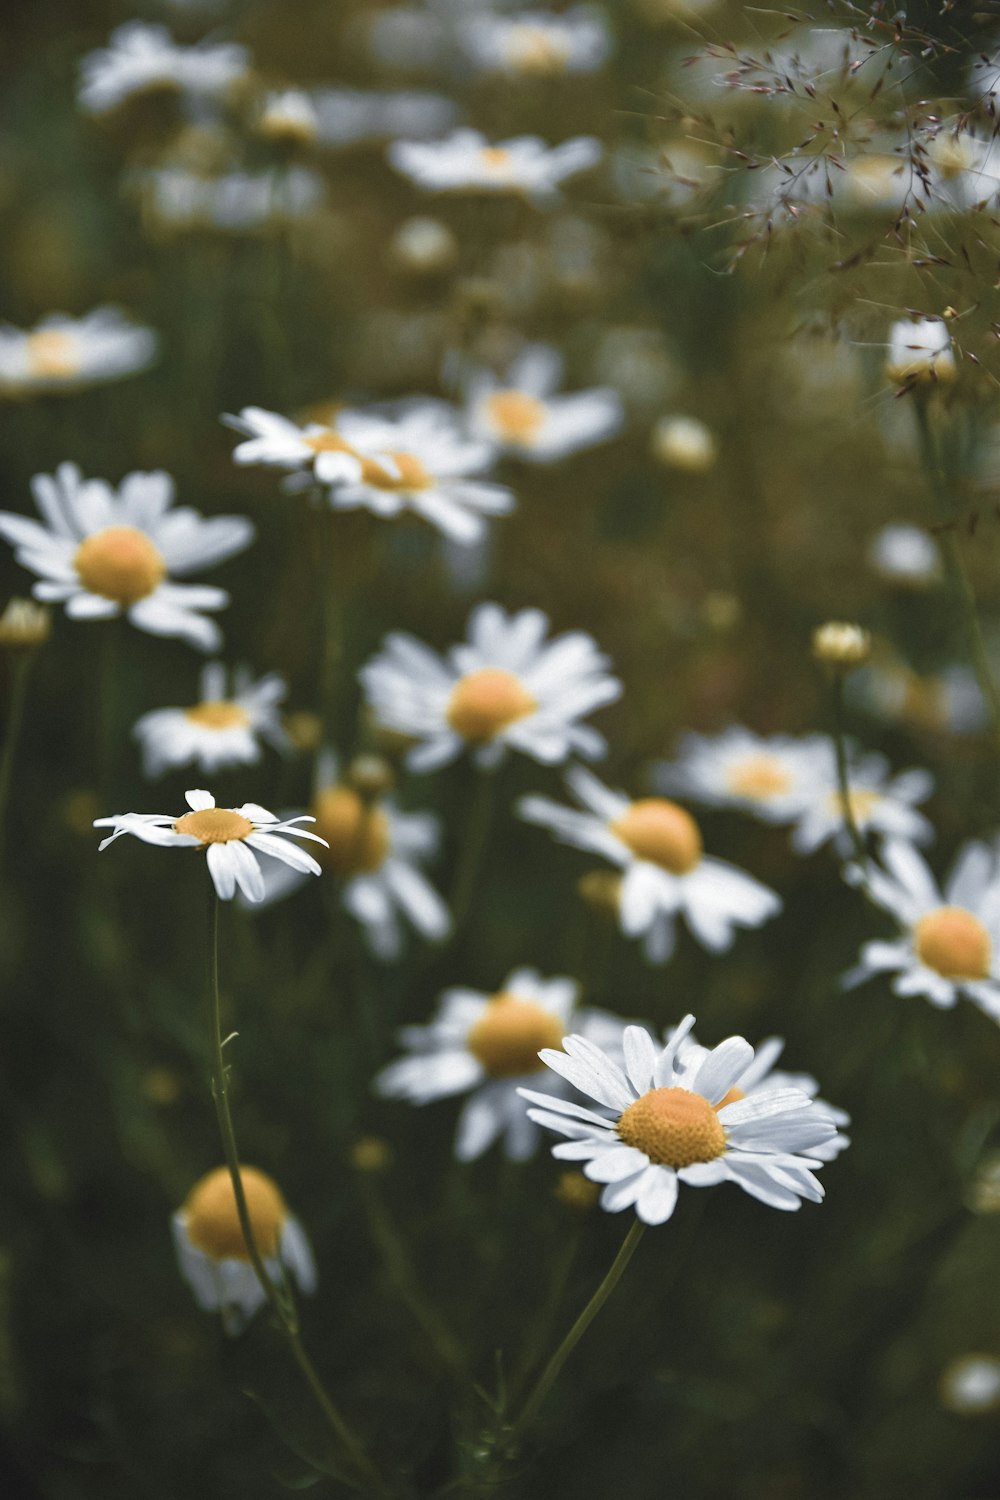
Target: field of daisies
500	750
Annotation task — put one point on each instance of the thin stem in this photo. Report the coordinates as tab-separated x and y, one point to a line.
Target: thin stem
473	850
278	1296
550	1374
843	774
15	718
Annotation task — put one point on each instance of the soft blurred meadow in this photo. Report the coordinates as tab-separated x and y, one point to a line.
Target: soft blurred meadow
770	193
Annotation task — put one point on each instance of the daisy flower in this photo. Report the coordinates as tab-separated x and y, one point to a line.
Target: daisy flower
538	43
465	162
375	851
880	803
352	117
920	352
665	873
905	556
316	447
948	942
486	1046
102	553
67	354
220	729
229	836
143	57
671	1125
174	200
212	1253
505	688
521	414
772	777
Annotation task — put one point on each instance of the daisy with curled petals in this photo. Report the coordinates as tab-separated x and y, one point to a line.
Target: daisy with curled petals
672	1125
771	777
879	802
102	553
949	943
521	414
67	354
485	1046
465	162
374	850
317	449
505	688
231	838
221	729
665	872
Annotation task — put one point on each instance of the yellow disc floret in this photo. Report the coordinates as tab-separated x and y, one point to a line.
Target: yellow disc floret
119	563
218	714
953	943
53	354
212	1220
485	702
515	416
759	778
409	473
214	825
509	1035
661	832
357	832
674	1127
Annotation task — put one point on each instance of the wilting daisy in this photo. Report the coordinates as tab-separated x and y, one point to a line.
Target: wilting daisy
102	553
486	1046
506	688
537	43
879	802
772	777
230	837
66	354
920	351
948	942
521	414
212	1252
374	850
665	873
671	1125
221	729
465	162
143	57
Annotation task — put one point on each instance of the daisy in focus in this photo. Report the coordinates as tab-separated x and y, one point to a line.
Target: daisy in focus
771	777
486	1046
212	1253
665	872
948	940
671	1125
141	58
465	162
68	354
521	414
230	837
537	43
880	803
374	850
506	688
222	729
103	553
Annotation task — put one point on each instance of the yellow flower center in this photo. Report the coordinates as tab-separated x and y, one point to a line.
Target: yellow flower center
674	1127
533	49
119	563
486	702
661	832
953	943
214	825
759	778
356	831
218	715
509	1035
495	159
212	1220
412	474
327	441
862	805
53	354
515	416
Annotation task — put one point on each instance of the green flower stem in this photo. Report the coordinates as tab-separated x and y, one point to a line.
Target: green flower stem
15	718
843	776
278	1295
470	861
550	1374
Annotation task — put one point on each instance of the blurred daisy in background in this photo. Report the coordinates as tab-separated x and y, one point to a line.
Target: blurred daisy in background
317	449
142	58
879	802
671	1125
212	1253
520	413
920	351
684	443
231	838
175	200
465	161
905	556
486	1046
970	1385
103	553
948	941
68	354
354	117
772	777
375	851
222	729
537	43
665	873
505	688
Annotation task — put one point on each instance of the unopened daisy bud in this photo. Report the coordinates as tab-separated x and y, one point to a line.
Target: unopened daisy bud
601	890
371	1154
24	625
971	1385
684	443
424	246
288	118
212	1252
575	1191
370	776
841	645
920	352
